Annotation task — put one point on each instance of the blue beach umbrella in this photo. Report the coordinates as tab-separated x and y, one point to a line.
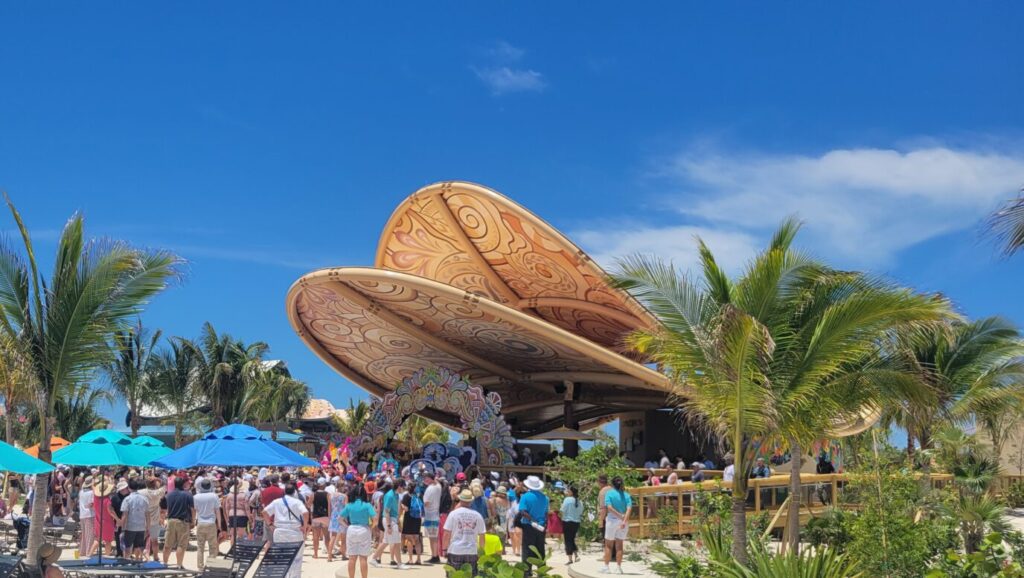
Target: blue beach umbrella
151	448
14	460
233	446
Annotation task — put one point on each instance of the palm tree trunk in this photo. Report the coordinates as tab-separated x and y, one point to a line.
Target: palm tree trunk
793	516
8	425
910	446
135	423
177	435
739	525
39	501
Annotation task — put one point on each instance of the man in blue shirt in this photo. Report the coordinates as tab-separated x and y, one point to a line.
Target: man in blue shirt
533	506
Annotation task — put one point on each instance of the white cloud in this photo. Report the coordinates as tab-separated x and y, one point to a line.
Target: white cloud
501	80
860	206
676	243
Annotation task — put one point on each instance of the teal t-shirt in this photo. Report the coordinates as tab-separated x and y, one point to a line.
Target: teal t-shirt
391	504
617	500
358	513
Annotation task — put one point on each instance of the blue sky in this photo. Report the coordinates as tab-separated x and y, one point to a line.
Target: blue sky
263	140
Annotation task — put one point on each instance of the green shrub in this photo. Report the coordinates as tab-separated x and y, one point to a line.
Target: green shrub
817	563
1015	495
992	560
494	566
675	565
831	529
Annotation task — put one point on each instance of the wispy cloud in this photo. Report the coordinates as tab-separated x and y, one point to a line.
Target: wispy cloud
502	75
861	206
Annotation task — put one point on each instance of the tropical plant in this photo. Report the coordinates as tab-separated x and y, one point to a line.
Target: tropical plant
64	324
179	395
130	373
788	350
494	566
1007	225
273	398
75	413
581	472
418	431
353	419
226	368
818	563
831	529
992	559
977	516
976	370
14	384
675	565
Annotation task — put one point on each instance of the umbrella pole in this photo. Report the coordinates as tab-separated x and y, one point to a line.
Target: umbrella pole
103	483
234	512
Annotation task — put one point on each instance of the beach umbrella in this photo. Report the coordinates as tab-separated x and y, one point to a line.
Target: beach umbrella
149	442
56	443
564	433
233	446
151	448
14	460
103	447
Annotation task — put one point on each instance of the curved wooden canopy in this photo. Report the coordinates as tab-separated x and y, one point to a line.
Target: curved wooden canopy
377	327
473	238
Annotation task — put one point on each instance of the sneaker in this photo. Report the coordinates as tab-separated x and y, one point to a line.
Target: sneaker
605	570
403	567
434	560
393	563
620	570
375	562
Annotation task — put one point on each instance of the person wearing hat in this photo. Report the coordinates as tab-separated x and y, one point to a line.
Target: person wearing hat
290	519
208	518
432	513
464	531
103	516
48	556
533	510
86	516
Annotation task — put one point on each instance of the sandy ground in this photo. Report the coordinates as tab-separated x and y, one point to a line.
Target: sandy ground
589	565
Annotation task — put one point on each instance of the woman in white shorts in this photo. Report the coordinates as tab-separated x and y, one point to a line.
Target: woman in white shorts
358	537
619	504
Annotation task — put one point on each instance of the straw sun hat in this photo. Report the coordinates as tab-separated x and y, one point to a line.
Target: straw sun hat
103	486
48	554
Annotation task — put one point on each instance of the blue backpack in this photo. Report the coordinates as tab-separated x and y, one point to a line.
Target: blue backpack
416	507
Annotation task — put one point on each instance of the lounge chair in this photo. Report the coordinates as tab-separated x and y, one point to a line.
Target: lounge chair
244	553
277	560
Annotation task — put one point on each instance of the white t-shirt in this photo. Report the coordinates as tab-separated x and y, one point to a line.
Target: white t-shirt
85	498
665	462
728	473
206	504
465	525
280	508
432	502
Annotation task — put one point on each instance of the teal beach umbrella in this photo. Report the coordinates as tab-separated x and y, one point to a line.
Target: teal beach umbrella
151	448
14	460
103	448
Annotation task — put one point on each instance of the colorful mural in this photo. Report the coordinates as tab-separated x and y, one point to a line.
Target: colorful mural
444	390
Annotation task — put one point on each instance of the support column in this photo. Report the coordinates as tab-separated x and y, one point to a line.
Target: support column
570	448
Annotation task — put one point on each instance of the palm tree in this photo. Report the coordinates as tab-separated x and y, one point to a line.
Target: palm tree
273	398
64	324
419	431
976	371
177	375
131	371
1007	225
14	384
75	411
805	338
227	365
354	419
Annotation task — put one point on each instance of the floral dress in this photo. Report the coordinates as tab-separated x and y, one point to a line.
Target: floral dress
337	524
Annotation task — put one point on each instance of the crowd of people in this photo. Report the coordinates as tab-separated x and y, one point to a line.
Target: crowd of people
404	519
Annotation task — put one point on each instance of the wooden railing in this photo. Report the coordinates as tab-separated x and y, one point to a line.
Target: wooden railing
818	491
